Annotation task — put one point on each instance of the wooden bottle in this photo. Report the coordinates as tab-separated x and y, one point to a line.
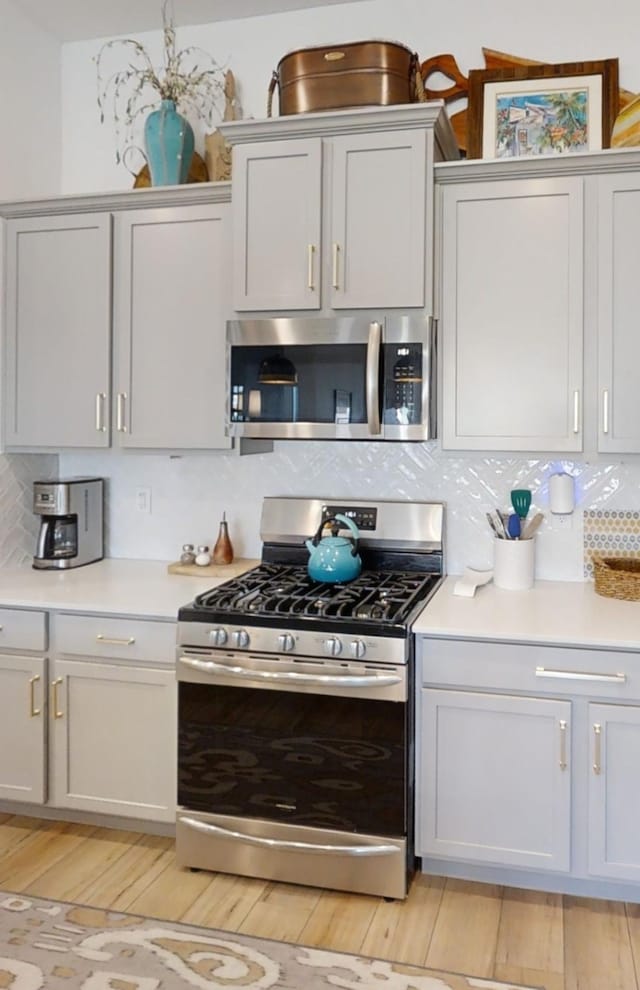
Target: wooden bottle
223	550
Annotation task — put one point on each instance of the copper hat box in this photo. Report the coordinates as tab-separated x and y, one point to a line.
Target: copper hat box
359	74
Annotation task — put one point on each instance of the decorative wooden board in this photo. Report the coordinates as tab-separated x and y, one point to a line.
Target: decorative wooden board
224	571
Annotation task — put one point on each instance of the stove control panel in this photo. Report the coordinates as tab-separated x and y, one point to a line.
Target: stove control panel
365	517
296	643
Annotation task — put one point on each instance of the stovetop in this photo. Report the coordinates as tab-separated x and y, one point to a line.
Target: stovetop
275	595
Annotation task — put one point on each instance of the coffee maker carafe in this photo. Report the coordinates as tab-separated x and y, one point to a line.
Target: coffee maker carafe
71	525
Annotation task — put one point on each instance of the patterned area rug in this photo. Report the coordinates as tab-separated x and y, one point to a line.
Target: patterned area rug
48	944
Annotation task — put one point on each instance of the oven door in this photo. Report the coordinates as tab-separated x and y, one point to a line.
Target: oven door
331	378
294	769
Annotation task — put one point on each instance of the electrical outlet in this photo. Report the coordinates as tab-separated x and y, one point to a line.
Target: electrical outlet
562	521
143	500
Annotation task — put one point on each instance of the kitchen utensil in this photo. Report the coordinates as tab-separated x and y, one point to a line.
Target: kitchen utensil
334	558
500	524
530	527
513	526
498	530
521	501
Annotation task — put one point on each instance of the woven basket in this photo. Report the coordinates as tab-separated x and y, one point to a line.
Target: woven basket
617	577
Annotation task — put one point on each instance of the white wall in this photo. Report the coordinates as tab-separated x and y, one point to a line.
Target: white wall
30	110
190	493
560	32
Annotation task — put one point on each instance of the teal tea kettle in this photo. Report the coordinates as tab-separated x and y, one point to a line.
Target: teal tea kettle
334	558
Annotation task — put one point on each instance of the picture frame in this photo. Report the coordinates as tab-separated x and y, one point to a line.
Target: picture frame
542	109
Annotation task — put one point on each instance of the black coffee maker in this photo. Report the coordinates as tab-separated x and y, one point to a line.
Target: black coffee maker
71	526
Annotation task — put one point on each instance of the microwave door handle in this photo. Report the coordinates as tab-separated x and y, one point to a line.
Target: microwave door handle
373	378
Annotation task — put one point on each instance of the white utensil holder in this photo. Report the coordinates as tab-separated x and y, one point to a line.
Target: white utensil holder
513	564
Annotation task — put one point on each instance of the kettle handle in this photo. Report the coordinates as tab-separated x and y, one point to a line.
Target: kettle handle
349	524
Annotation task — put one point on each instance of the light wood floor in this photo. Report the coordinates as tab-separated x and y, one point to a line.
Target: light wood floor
550	941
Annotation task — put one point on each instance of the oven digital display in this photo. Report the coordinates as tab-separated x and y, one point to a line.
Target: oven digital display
365	518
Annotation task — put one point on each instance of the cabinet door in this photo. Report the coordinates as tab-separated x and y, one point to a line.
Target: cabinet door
614	792
58	331
619	341
171	304
512	312
114	739
378	220
23	722
276	225
495	784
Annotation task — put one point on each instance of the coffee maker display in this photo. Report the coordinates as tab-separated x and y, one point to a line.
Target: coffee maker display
71	524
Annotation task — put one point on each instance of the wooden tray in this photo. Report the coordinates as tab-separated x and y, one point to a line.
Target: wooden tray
224	571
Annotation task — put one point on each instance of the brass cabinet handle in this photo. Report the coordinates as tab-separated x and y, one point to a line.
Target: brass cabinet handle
100	401
310	266
336	251
597	748
121	426
605	410
33	711
54	697
112	641
563	744
576	411
581	675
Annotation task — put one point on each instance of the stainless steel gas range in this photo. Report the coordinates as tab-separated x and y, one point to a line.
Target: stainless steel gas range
295	751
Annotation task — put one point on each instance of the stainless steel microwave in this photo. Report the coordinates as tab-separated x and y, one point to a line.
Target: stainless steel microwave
332	379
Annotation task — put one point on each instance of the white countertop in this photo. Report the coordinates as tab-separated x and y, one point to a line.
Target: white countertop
554	612
113	586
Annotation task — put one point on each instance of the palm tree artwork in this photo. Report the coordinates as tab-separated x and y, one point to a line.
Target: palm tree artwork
543	123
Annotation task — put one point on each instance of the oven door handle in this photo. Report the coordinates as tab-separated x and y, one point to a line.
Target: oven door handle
292	676
290	844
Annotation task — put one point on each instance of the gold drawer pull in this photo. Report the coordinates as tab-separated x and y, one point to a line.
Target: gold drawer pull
112	641
597	748
33	711
54	697
563	744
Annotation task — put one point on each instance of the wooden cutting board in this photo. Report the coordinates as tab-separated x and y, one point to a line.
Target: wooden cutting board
238	566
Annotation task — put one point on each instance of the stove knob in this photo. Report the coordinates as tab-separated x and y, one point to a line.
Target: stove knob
218	636
286	642
357	649
333	646
241	638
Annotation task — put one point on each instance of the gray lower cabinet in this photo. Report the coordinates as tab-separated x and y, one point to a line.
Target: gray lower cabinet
115	322
23	729
529	764
88	713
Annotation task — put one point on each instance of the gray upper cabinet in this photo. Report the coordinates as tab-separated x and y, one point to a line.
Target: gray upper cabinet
618	338
58	330
276	230
335	210
512	313
115	320
170	288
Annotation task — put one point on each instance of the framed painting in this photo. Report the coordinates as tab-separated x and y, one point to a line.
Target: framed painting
528	110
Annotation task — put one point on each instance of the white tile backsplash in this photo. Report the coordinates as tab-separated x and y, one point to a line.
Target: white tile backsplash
18	525
190	493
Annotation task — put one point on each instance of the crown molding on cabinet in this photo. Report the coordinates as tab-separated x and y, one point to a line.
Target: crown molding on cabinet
369	120
580	163
193	194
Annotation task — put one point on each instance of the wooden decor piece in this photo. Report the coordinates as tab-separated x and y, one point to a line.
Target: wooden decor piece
197	173
539	81
447	66
500	60
239	566
217	152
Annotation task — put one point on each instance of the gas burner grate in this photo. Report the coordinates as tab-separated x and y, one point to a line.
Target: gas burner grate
283	591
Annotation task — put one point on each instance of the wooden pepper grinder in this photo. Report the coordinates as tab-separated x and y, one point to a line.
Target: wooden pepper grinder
223	550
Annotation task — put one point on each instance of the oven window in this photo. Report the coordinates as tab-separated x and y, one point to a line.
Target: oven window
302	759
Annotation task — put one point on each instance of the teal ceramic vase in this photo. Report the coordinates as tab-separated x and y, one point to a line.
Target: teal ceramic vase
169	145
